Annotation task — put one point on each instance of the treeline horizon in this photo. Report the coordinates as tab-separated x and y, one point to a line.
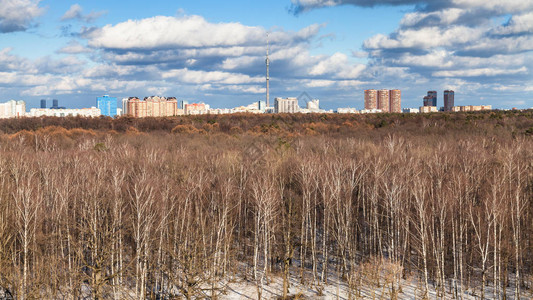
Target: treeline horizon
484	122
124	209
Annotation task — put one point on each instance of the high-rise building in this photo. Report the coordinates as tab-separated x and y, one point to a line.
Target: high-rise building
152	107
395	101
449	97
43	103
12	109
286	105
431	99
55	104
136	107
427	101
182	104
384	100
371	99
261	105
107	105
125	106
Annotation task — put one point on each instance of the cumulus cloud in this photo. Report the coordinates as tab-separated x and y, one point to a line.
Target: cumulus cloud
75	12
18	15
193	44
74	47
202	77
41	74
424	38
480	72
66	65
162	32
336	84
10	62
191	51
232	63
337	66
460	44
503	7
185	56
518	24
299	6
496	6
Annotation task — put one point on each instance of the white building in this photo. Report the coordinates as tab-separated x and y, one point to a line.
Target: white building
196	109
313	105
221	111
347	110
261	105
428	109
67	112
371	111
254	108
286	105
13	109
411	110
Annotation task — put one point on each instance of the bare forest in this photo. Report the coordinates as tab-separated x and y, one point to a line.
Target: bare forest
178	208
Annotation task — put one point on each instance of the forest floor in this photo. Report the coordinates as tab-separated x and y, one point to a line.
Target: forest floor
411	288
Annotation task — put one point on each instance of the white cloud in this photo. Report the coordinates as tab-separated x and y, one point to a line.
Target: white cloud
18	15
498	6
11	62
305	5
442	17
434	59
337	66
74	47
235	89
505	45
517	24
108	71
189	50
240	62
504	7
201	77
66	65
314	83
331	84
22	80
75	12
425	38
162	32
480	72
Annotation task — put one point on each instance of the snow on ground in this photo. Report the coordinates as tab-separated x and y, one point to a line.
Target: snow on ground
411	288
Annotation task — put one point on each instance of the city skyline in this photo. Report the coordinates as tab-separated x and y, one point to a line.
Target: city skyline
203	52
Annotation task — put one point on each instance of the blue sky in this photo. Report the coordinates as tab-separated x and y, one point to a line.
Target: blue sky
213	51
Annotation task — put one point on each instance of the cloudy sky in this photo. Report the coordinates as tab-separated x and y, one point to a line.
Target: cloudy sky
213	51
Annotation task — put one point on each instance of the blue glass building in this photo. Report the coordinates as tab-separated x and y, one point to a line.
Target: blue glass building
107	105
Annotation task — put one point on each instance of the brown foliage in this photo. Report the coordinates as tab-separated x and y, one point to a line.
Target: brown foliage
171	207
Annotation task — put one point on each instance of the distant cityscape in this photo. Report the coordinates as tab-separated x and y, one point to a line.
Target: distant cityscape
375	101
383	101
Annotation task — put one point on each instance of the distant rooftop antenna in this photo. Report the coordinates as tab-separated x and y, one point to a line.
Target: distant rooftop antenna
267	74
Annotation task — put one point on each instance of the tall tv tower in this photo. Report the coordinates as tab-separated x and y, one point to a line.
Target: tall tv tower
267	76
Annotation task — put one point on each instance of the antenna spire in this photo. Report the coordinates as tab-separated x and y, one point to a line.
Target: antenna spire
267	61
